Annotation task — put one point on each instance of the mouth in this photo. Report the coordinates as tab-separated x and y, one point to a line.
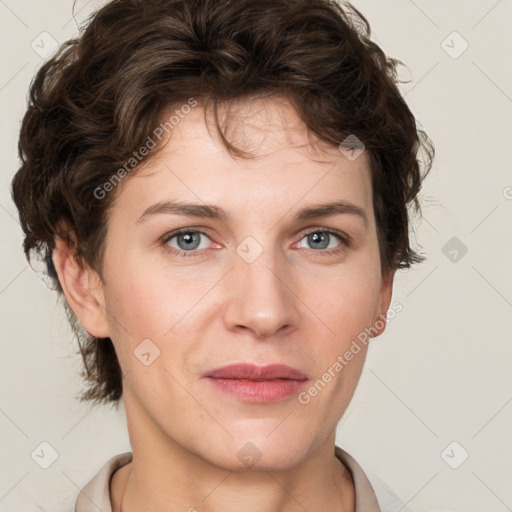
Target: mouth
258	384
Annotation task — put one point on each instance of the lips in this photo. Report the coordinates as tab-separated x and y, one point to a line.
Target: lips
253	372
257	384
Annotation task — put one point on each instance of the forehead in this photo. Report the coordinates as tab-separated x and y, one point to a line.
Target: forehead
260	126
290	165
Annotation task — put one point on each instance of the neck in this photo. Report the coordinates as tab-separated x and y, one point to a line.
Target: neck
331	490
164	476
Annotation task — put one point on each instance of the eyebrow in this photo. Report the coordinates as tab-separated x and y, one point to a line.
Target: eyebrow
214	212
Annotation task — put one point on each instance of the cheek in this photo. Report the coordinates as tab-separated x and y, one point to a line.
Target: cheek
158	305
348	307
345	299
135	309
146	298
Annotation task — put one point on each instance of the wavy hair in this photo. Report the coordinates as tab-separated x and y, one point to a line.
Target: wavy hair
101	95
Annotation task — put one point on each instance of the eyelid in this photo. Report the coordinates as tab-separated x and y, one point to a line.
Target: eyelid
175	232
187	229
344	236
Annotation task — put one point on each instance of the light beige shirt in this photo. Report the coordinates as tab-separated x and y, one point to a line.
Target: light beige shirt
95	496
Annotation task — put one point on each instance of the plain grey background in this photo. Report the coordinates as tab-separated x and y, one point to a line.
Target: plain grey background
432	414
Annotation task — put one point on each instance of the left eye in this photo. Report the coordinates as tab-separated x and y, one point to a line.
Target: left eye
322	239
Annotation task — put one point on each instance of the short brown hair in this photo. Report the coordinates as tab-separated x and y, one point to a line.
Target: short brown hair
100	96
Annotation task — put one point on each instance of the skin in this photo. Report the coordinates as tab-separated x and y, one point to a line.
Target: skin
295	304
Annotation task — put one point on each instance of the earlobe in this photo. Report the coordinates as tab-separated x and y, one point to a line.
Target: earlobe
82	288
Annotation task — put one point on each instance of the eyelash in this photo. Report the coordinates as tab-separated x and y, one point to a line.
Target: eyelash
345	242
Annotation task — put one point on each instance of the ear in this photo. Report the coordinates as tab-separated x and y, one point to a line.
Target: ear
385	294
82	288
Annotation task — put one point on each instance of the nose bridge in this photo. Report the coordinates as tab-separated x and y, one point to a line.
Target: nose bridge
260	299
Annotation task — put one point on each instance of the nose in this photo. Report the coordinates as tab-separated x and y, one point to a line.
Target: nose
260	297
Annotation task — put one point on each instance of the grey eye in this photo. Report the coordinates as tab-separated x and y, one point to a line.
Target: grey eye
319	240
187	240
322	240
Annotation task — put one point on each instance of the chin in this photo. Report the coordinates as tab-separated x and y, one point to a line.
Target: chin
261	454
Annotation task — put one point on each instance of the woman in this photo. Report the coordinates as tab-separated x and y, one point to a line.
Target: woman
220	191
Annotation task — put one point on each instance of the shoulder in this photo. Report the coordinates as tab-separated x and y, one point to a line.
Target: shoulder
96	493
388	500
371	490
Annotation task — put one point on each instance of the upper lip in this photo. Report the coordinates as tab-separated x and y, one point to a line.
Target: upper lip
248	371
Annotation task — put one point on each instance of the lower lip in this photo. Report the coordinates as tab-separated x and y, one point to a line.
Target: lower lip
259	391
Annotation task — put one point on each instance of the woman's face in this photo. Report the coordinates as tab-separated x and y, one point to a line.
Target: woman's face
254	281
